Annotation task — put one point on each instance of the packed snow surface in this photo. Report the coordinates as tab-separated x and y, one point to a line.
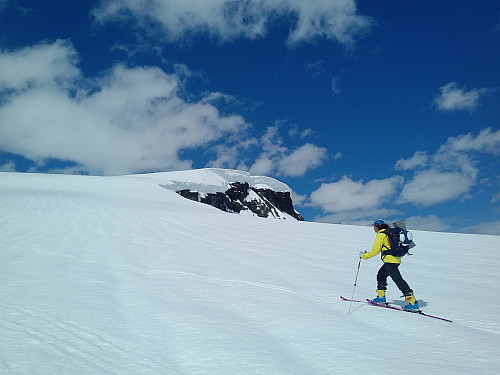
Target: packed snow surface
212	180
117	275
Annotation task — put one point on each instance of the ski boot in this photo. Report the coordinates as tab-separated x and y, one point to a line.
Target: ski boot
380	298
412	303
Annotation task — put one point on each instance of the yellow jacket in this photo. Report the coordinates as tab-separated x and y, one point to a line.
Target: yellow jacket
381	244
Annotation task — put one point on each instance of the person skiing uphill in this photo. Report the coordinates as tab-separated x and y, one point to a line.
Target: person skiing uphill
389	268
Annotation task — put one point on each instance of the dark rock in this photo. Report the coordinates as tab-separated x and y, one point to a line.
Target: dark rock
238	191
192	195
235	199
222	202
282	200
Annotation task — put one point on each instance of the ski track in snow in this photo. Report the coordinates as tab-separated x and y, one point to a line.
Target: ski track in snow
328	299
233	282
120	276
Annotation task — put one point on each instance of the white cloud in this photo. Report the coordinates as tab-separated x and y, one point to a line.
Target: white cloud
335	86
453	169
127	121
263	166
298	200
46	64
453	98
491	228
428	223
293	131
306	133
486	141
356	217
8	167
227	19
228	154
451	176
275	158
496	198
302	159
349	195
273	151
431	187
419	159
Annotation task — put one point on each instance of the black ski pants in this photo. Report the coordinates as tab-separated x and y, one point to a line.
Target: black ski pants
392	270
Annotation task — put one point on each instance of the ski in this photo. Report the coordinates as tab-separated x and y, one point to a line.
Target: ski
420	312
350	300
392	307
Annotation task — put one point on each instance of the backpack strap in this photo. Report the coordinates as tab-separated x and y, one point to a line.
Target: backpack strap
387	250
382	255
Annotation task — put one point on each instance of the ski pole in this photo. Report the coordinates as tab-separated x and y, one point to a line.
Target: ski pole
355	281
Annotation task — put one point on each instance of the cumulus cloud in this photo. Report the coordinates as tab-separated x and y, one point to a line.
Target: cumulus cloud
227	19
491	228
302	159
228	154
262	166
453	98
433	186
419	159
487	141
8	167
428	223
452	171
358	216
294	131
43	65
349	195
128	120
278	159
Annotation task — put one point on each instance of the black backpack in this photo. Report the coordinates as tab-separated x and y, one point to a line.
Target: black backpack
400	239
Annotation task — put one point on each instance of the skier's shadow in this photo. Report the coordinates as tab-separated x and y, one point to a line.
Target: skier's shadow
421	303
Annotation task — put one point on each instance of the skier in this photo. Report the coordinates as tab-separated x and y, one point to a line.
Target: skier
389	268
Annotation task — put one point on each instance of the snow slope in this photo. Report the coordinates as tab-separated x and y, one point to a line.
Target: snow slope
117	275
212	180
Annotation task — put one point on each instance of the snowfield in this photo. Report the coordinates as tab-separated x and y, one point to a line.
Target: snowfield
118	275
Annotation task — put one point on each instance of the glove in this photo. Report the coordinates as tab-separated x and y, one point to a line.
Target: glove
361	253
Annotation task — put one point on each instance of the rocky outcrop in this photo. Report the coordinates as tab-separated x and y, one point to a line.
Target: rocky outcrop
241	197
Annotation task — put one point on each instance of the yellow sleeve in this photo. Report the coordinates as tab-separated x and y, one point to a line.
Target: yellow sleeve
377	246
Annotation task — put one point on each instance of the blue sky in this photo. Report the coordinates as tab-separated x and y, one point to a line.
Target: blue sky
365	109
